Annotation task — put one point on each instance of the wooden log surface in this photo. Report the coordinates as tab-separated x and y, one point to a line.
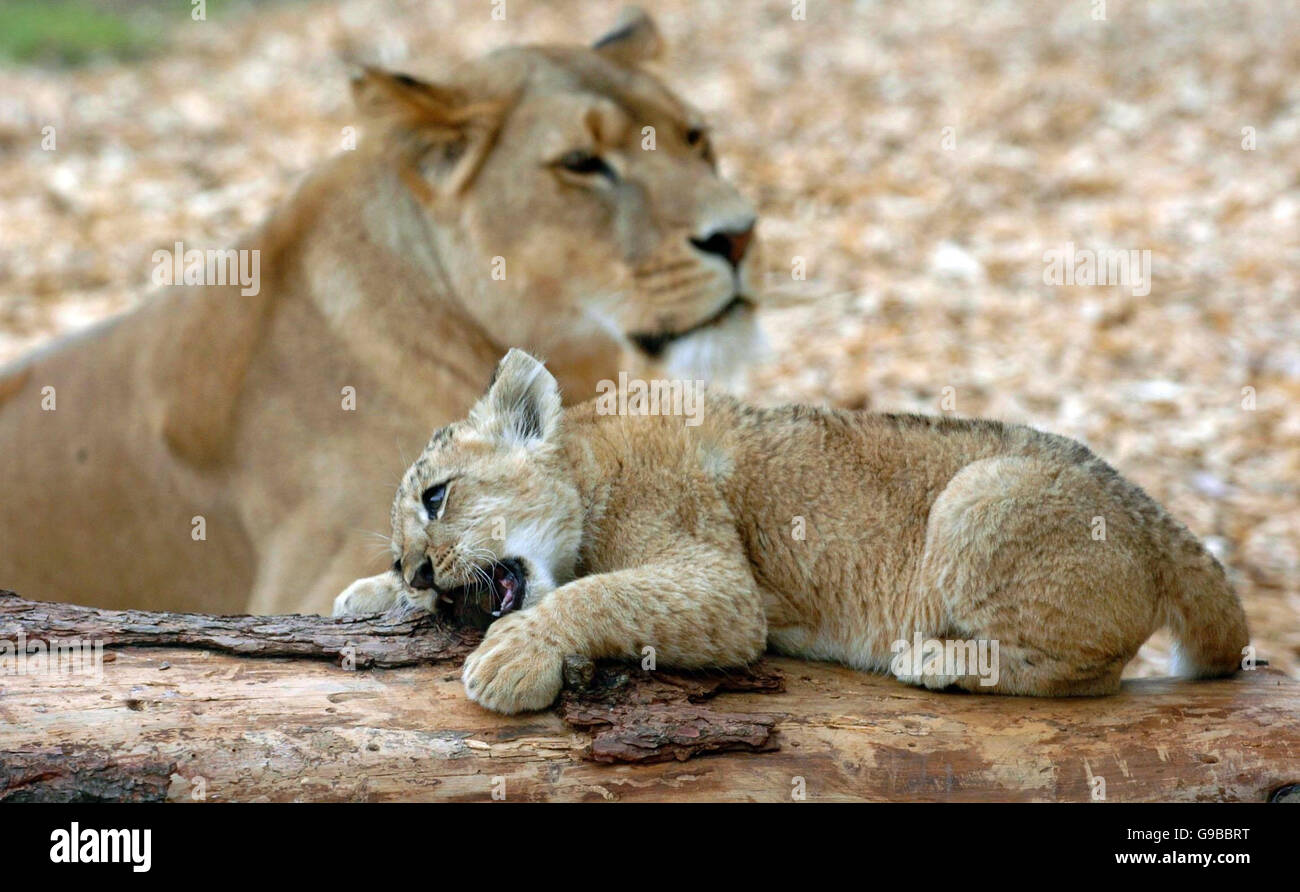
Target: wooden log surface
182	712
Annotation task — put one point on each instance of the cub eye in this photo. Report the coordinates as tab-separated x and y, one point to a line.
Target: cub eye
585	163
694	136
433	498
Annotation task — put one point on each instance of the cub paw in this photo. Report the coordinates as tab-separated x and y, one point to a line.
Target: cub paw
374	594
515	669
918	669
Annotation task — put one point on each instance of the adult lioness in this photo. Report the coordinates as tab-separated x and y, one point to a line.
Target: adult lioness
219	451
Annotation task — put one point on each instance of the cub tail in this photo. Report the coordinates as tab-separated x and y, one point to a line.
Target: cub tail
1202	611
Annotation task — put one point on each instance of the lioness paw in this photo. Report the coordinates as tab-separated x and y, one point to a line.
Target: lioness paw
514	669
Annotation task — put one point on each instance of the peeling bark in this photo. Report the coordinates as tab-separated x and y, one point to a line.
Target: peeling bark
77	774
397	638
640	716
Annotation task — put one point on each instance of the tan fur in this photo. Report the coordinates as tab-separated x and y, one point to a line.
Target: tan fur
821	534
375	275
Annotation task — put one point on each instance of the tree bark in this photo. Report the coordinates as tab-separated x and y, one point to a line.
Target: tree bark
399	638
191	707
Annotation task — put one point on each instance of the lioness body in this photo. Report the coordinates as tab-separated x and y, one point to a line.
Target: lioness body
158	479
822	534
222	451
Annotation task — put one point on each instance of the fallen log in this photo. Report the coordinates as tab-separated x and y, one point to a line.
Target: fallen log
400	638
635	716
280	708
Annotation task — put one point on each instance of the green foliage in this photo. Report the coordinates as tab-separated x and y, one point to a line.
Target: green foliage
68	32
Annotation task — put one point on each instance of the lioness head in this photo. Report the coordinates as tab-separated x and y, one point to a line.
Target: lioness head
488	519
575	207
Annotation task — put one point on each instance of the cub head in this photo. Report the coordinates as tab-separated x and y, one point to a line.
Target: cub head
575	208
488	520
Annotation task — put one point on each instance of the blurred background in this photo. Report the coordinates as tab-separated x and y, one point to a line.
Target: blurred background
919	158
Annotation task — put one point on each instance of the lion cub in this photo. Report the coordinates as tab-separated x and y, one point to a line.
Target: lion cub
822	534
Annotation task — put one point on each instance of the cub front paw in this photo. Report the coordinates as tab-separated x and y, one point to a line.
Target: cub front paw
514	669
374	594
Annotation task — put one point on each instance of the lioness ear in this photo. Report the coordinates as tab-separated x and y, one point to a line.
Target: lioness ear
634	39
453	131
522	404
390	93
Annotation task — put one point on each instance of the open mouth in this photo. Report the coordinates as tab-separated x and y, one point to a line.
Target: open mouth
653	345
482	601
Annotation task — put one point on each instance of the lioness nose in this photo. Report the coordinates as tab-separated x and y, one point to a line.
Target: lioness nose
423	578
730	244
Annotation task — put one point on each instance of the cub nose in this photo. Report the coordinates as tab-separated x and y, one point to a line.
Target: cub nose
728	243
423	578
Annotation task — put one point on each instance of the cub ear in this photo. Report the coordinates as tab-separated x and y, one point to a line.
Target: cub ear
522	404
634	39
453	131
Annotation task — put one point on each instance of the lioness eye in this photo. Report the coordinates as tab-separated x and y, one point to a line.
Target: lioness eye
697	138
583	162
433	497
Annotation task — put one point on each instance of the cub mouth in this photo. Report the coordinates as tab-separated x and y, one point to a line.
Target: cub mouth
498	590
653	344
